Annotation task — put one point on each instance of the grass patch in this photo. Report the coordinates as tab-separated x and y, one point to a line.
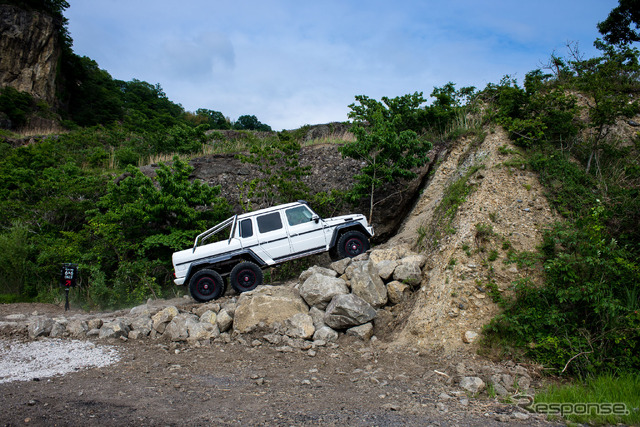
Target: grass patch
602	395
454	196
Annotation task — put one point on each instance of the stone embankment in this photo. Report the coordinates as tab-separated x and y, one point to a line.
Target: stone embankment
353	298
324	303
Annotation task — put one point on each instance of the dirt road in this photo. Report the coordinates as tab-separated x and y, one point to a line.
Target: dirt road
250	382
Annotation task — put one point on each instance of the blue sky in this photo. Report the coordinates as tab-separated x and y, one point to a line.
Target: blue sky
292	63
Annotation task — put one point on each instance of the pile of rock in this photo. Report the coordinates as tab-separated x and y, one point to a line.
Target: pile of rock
321	304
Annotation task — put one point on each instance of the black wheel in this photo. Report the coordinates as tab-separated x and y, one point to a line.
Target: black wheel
352	243
245	276
333	254
206	285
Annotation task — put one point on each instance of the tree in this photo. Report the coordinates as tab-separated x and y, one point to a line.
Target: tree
247	122
280	174
384	143
214	119
617	28
137	225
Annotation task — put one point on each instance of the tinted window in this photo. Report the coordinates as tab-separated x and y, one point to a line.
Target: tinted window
298	215
246	228
269	222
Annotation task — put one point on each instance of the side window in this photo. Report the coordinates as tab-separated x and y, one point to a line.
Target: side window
298	215
269	222
246	228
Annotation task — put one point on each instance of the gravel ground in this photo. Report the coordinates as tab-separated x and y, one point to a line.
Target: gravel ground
43	359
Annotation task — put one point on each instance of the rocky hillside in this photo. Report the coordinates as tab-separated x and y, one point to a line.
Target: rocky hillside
30	52
328	170
466	273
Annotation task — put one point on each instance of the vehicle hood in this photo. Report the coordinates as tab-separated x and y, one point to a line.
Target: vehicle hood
336	220
188	255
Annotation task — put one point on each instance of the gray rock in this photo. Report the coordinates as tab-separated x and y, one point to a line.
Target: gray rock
472	384
94	323
230	308
411	274
413	258
520	416
316	270
300	325
203	308
500	390
178	328
57	330
275	339
319	289
345	311
469	337
269	305
341	265
317	316
367	284
16	317
397	292
142	326
224	320
209	317
114	329
386	268
77	328
140	310
202	331
163	317
40	327
524	383
325	334
364	332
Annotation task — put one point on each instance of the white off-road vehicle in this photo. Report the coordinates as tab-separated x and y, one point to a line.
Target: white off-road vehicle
261	239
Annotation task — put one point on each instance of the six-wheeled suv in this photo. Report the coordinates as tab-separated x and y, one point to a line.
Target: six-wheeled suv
261	239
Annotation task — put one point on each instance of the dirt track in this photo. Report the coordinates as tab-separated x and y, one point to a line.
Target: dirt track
242	383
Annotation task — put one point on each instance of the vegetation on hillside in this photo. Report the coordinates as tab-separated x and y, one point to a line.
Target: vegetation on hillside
79	197
586	317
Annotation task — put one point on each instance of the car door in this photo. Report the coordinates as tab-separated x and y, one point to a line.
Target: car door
305	229
272	235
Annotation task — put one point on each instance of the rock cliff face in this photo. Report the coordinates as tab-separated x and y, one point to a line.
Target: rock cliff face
30	52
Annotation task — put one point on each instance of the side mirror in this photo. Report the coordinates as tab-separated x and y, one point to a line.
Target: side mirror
315	218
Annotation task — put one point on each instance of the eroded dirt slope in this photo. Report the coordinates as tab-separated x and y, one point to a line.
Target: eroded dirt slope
509	207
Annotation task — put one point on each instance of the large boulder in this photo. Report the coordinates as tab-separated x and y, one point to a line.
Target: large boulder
409	274
224	320
345	311
267	304
114	329
77	328
316	270
178	328
39	327
299	325
386	268
318	290
141	327
394	253
202	331
162	318
397	292
366	283
341	265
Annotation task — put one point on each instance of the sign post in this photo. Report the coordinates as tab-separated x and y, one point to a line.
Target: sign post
68	278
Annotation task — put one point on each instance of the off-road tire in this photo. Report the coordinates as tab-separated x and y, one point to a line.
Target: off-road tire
245	277
206	285
352	243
